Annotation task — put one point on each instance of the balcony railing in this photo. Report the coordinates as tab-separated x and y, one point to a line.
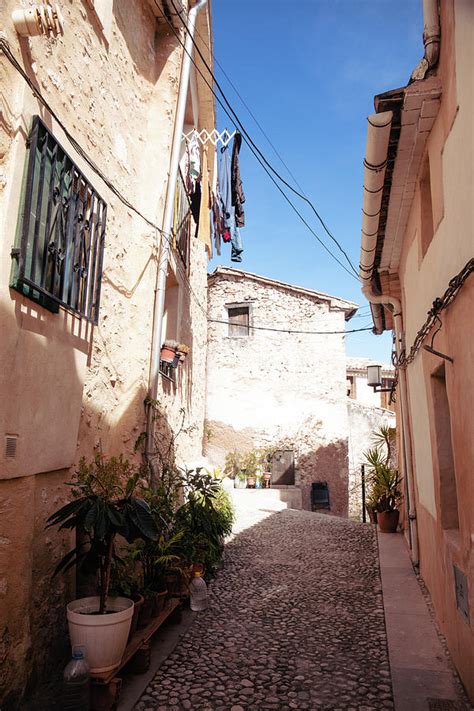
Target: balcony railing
182	220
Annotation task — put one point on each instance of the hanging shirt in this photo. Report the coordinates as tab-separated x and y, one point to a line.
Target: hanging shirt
225	194
238	197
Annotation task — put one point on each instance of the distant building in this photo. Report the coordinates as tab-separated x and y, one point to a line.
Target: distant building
367	411
357	388
269	387
417	262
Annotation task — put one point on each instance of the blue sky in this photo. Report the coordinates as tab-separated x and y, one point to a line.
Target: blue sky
309	70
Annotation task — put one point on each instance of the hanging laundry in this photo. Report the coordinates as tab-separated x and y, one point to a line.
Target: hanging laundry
238	197
204	227
192	163
231	230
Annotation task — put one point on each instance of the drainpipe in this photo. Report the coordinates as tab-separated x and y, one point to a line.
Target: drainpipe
375	164
160	286
431	40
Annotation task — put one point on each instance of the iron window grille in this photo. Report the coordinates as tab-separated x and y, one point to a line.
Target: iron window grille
59	248
182	220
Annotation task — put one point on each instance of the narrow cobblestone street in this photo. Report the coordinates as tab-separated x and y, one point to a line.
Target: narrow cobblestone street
295	621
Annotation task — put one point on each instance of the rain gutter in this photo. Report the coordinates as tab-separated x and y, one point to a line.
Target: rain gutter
162	271
375	166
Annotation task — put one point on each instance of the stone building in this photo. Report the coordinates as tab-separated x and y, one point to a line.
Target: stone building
417	263
83	187
267	387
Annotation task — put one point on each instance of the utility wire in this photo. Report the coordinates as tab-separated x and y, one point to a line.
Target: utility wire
296	192
4	46
258	154
288	330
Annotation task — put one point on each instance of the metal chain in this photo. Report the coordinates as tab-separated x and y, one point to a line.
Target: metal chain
439	304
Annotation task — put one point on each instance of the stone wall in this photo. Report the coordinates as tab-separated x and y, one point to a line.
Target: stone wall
69	387
272	387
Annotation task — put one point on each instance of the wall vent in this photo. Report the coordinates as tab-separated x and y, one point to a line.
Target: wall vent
10	446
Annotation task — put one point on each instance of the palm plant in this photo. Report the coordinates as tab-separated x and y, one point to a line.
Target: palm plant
103	507
384	480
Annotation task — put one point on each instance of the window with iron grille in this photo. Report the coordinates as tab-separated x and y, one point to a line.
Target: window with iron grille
182	220
59	248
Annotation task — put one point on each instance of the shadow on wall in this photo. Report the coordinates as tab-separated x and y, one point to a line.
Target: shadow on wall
33	635
327	463
149	60
34	384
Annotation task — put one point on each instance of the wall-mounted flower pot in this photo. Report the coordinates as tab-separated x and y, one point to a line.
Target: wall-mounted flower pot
167	354
388	521
103	637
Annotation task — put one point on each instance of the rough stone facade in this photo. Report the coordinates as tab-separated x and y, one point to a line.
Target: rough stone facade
271	387
66	386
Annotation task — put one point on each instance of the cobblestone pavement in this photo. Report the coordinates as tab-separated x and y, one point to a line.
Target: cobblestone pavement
295	621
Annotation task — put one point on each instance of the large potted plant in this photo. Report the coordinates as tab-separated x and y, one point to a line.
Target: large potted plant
103	507
384	482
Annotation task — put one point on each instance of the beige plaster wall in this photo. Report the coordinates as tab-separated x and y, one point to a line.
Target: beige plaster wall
68	387
451	152
270	386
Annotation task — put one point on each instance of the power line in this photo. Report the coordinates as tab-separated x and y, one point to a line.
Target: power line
289	330
258	154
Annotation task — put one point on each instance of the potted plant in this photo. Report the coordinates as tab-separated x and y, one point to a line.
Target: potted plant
103	507
157	558
234	470
384	482
168	351
389	497
182	350
125	583
249	465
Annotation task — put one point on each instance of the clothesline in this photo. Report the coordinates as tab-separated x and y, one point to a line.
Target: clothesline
213	136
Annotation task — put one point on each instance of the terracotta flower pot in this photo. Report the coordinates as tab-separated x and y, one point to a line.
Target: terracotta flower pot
167	354
388	521
146	611
138	601
251	482
159	601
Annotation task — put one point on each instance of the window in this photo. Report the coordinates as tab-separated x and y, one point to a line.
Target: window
444	451
239	321
182	221
426	208
59	248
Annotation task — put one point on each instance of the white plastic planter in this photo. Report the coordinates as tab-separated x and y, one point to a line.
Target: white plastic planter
103	637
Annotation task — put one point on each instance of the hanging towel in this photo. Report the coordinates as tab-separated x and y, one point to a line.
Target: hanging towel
238	197
204	228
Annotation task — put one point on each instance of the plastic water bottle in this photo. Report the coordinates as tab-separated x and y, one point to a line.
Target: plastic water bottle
76	683
198	592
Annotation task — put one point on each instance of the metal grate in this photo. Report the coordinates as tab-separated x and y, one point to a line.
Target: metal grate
182	220
10	447
59	248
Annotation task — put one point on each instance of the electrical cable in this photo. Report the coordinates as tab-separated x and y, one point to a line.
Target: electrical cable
301	195
78	148
289	330
259	155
